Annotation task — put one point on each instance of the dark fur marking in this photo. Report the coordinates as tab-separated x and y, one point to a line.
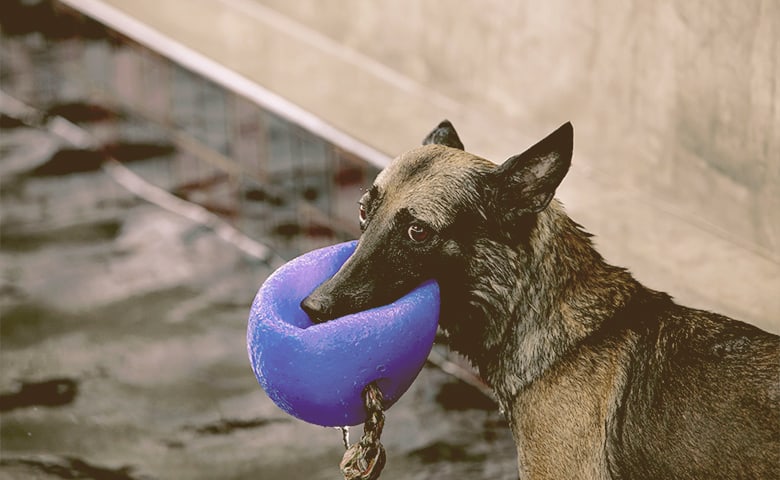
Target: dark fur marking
444	134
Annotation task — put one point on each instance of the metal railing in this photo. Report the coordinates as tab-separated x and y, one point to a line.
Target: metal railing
269	177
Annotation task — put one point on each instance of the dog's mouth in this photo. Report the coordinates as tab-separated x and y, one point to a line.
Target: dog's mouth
323	308
318	309
363	282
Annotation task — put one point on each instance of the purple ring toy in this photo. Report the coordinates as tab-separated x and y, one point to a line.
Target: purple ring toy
318	372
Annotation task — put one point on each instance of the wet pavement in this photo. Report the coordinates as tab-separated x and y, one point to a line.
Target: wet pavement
122	324
123	356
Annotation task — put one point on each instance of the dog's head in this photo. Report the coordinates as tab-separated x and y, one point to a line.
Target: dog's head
425	213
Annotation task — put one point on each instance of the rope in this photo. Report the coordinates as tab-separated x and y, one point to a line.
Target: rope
366	459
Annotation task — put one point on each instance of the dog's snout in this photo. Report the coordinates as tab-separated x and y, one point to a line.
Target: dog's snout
318	308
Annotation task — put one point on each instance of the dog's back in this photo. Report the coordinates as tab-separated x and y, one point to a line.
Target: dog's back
700	391
657	391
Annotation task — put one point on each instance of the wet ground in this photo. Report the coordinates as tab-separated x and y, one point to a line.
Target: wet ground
122	325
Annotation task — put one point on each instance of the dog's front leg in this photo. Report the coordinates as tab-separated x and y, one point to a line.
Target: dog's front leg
559	422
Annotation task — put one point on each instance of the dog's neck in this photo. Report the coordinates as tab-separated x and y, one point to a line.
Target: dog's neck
530	304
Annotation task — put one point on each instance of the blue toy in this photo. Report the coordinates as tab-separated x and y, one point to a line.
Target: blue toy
318	372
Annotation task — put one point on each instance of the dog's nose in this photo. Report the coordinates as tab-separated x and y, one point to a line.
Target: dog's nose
318	308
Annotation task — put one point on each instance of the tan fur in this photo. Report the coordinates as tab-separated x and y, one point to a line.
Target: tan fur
559	421
430	196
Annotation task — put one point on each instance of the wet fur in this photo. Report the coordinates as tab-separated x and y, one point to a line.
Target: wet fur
599	376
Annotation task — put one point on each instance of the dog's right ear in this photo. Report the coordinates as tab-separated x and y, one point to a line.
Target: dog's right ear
526	182
444	134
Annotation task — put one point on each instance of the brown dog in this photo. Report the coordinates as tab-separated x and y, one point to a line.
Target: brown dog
600	377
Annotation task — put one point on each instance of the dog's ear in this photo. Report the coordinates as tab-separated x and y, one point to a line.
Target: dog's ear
444	134
527	182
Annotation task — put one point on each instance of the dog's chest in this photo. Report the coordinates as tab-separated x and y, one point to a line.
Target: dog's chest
559	422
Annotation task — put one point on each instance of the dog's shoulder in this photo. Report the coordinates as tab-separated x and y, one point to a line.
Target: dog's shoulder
692	376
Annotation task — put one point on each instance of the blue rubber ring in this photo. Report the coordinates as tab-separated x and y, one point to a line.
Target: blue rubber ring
317	372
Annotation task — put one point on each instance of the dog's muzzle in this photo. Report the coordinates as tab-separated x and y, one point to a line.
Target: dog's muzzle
318	308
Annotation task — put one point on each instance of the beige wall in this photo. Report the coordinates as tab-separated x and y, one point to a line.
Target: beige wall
676	167
678	99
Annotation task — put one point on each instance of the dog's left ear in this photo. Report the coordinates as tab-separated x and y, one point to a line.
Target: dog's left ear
444	134
527	182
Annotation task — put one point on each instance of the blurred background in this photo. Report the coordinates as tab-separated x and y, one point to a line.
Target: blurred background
158	159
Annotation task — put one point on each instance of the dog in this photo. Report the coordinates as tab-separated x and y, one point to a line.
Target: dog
599	376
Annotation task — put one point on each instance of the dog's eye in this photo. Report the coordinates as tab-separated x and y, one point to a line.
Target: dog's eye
362	214
418	233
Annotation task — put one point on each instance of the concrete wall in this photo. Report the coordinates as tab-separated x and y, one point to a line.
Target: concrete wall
676	167
676	99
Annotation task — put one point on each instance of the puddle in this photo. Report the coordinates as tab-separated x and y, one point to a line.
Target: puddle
443	451
68	161
8	123
68	467
82	112
228	426
24	325
46	18
19	240
49	393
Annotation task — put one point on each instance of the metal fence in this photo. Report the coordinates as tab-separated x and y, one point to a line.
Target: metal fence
269	177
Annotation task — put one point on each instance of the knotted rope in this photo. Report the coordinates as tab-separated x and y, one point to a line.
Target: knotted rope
365	459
